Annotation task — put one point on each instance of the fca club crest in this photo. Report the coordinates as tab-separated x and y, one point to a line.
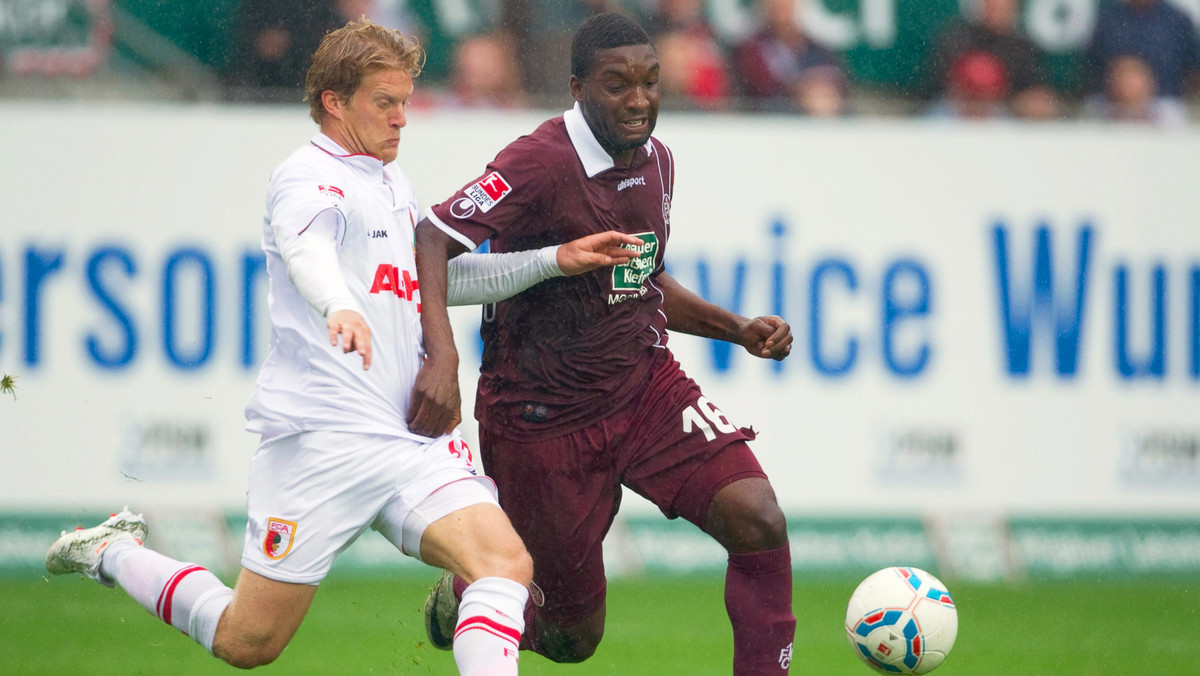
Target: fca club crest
667	209
280	535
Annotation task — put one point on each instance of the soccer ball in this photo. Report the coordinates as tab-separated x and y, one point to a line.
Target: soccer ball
901	621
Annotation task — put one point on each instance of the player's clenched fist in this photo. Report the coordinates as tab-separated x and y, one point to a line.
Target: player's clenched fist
767	337
356	335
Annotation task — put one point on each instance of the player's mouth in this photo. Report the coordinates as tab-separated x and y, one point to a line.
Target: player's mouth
637	124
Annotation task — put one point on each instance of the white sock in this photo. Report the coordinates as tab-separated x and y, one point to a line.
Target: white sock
491	617
183	595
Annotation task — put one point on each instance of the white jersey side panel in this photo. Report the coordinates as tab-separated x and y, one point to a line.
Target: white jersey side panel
305	383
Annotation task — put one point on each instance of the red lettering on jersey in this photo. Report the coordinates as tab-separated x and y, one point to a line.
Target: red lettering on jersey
383	278
400	282
410	286
394	280
495	186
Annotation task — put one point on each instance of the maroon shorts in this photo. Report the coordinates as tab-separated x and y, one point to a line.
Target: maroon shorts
669	445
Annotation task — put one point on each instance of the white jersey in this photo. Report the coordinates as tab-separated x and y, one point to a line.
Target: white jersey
305	383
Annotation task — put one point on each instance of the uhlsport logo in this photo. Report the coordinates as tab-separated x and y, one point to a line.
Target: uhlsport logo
280	535
630	182
487	191
629	276
462	208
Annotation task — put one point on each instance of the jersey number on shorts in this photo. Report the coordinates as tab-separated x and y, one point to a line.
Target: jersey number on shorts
705	419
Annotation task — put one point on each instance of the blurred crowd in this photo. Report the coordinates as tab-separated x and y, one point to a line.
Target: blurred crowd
1141	63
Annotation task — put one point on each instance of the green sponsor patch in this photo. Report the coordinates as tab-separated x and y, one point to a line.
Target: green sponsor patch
629	276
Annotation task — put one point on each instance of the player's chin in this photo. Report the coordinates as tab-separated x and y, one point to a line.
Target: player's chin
388	151
632	141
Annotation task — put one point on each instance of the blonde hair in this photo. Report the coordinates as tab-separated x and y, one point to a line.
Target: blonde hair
350	53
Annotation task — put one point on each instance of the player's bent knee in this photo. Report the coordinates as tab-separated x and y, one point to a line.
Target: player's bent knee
520	568
249	657
569	646
510	560
746	517
248	651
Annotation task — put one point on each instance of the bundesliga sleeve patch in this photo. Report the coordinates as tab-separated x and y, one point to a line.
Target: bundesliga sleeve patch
488	191
332	191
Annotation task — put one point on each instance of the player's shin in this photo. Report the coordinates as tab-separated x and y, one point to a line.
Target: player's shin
490	622
185	596
758	598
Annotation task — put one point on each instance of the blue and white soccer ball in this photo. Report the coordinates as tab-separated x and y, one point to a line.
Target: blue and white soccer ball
901	621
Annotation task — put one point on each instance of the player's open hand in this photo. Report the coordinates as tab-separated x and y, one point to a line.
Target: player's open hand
436	402
596	251
767	337
356	335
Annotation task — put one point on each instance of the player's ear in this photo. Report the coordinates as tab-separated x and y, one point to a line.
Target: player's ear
332	103
576	89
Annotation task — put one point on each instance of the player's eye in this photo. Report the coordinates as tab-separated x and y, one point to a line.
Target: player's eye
614	86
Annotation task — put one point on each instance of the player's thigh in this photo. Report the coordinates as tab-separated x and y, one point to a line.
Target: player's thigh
476	541
445	514
681	450
262	618
309	496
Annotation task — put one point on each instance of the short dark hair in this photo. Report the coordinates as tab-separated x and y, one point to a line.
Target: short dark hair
603	31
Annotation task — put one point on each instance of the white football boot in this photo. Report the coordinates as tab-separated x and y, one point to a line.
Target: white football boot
79	551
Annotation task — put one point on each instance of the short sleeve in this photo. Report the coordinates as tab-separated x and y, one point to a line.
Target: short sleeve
510	194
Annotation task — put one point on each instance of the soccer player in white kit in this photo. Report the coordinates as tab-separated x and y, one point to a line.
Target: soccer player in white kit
347	442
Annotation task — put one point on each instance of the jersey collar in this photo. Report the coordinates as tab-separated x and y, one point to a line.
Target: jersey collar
589	150
367	163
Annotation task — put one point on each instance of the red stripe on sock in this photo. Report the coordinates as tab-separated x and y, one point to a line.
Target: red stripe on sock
168	593
489	625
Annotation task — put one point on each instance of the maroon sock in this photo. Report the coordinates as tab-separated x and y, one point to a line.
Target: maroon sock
529	636
758	598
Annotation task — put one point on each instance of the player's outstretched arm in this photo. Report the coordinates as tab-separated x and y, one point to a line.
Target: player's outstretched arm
767	337
480	278
596	251
436	402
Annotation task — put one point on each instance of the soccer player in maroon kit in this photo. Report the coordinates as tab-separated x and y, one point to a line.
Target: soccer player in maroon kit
579	394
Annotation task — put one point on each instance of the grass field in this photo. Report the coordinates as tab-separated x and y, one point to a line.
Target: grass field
674	626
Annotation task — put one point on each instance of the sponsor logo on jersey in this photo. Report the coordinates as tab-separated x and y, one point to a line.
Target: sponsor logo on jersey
629	276
280	535
332	191
377	234
462	208
391	279
488	191
630	182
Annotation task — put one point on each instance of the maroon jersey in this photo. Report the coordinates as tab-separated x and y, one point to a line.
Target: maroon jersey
571	350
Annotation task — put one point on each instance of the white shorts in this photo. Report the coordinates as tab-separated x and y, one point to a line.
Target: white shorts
312	494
